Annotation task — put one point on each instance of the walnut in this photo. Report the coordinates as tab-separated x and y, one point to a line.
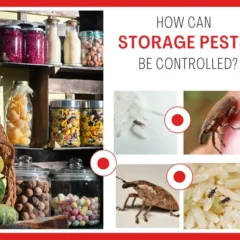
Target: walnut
28	192
28	207
32	216
35	201
22	199
25	216
38	191
18	207
19	190
41	206
31	184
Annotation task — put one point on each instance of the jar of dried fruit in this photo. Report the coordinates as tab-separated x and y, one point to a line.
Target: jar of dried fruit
19	112
33	190
33	45
77	194
91	123
72	45
92	48
10	43
65	123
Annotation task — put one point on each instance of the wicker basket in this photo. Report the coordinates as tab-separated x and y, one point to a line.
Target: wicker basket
7	153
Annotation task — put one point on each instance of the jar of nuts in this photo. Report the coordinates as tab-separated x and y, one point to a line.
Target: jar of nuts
33	190
92	48
76	193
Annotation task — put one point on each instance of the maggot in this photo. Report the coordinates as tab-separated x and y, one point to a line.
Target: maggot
151	195
217	117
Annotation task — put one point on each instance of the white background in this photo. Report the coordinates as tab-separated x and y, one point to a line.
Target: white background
121	73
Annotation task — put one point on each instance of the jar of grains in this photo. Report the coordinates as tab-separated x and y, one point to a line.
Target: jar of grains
91	123
19	112
10	43
72	45
65	122
52	42
33	45
33	190
76	193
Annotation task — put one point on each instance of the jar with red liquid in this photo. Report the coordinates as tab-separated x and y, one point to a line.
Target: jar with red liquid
10	43
33	45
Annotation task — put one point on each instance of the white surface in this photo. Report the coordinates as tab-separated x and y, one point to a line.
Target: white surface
155	174
159	140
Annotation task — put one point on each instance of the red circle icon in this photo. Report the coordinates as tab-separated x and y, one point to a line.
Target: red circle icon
177	119
103	163
179	176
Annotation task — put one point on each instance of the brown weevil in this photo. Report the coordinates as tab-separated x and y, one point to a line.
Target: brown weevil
151	195
217	117
212	192
225	200
139	123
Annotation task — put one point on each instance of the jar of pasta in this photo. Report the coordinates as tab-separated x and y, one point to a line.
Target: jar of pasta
19	112
91	127
65	122
72	45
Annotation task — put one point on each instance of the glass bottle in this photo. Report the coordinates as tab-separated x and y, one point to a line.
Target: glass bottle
19	112
72	45
52	42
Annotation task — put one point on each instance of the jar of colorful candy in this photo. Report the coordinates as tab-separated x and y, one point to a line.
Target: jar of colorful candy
92	125
10	43
33	45
65	123
76	194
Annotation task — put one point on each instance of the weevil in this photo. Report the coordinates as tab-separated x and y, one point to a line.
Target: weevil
225	200
139	123
217	117
151	195
212	192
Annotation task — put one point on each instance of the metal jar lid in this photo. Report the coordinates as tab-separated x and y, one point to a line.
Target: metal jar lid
91	104
65	104
10	26
32	29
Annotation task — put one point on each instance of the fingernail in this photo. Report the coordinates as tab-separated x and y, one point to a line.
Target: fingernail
231	139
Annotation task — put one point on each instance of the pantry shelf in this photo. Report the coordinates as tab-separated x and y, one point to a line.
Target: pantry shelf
59	149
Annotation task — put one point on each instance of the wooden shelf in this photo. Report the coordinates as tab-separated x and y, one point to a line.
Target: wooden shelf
59	149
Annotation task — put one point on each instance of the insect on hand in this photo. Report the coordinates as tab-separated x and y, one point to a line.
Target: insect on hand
151	195
217	117
139	123
212	192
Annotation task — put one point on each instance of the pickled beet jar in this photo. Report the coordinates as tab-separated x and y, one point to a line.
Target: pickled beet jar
33	46
11	43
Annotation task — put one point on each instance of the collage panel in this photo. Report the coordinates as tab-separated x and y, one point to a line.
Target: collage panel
144	199
212	201
139	124
215	123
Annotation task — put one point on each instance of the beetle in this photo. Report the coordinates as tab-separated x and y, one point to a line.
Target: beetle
151	195
225	200
139	123
212	192
217	117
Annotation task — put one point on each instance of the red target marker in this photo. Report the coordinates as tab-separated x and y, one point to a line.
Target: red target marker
177	119
103	163
179	176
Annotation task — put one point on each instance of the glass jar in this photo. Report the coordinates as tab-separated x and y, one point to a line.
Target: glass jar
76	194
33	45
11	43
91	123
19	112
92	48
52	42
65	123
72	45
33	190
